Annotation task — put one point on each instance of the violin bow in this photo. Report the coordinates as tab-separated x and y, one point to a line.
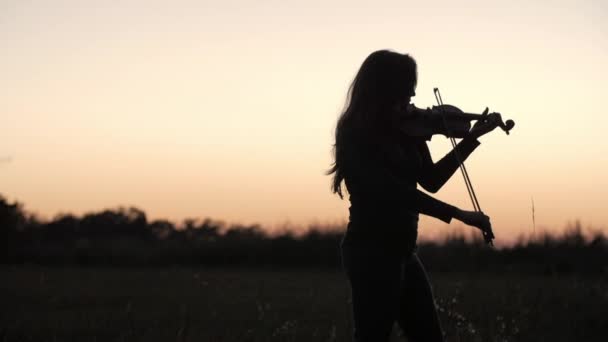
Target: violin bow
487	235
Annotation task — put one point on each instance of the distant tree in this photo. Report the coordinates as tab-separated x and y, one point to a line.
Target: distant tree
573	235
121	236
129	222
63	227
245	233
12	222
189	228
162	229
207	231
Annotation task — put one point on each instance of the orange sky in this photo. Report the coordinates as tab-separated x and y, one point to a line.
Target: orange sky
226	109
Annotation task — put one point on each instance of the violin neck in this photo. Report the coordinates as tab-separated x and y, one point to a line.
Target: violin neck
470	116
462	116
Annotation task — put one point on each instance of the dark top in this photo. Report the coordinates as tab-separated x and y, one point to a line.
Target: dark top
382	179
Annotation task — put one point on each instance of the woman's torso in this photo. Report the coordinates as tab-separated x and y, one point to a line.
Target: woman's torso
376	175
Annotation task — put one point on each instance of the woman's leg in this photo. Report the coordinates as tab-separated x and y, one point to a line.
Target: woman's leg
375	290
418	316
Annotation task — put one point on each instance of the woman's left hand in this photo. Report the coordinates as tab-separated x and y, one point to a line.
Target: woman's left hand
486	124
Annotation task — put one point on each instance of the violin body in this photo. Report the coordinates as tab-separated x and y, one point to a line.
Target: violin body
444	119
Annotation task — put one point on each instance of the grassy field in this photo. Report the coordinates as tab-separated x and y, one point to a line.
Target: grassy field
189	304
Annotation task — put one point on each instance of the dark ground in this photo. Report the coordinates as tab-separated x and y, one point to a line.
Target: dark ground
196	304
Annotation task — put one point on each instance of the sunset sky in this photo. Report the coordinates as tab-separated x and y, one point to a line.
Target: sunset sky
227	109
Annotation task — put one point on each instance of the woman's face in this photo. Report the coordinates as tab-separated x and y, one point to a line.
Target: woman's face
409	93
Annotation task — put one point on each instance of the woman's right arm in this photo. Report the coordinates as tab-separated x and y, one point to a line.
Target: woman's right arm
433	207
367	170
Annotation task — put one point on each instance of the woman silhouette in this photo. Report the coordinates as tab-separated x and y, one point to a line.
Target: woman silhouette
381	168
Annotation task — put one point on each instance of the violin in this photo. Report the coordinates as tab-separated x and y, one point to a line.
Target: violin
453	123
444	119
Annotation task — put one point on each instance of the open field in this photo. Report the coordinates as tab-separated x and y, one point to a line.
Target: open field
195	304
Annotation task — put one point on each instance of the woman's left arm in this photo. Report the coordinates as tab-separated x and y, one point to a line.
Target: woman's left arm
434	175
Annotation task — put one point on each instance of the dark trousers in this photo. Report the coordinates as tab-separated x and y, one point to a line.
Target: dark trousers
389	287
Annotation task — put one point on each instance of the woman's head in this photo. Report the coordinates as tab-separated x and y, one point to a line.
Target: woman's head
385	81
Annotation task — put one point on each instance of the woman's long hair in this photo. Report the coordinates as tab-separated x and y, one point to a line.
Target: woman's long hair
382	82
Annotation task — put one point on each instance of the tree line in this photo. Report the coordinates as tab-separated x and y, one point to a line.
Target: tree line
125	237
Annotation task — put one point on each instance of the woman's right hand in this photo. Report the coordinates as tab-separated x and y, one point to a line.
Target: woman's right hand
479	220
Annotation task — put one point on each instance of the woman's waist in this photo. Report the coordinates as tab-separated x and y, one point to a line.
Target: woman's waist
394	223
382	212
396	240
